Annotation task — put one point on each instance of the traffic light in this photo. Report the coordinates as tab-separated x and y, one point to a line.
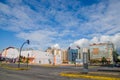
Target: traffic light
28	42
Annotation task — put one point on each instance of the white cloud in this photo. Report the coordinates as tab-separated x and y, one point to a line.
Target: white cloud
45	23
19	17
103	15
102	18
83	43
40	38
94	40
39	35
115	39
56	46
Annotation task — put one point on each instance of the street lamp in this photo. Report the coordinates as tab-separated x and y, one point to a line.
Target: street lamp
85	59
27	60
78	55
28	42
54	57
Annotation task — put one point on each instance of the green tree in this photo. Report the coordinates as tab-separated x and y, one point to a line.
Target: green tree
115	56
104	60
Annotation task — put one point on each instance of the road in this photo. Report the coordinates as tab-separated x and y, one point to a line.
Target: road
37	73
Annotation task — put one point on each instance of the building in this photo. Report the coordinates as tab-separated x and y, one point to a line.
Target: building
57	55
10	52
37	56
98	51
76	55
64	56
72	55
0	54
50	50
34	56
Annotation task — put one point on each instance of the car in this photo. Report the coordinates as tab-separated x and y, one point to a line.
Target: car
117	65
2	59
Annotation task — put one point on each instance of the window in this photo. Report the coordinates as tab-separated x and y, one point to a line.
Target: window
95	50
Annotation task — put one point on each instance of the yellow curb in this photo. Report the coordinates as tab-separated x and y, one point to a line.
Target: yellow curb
10	68
45	65
73	75
13	68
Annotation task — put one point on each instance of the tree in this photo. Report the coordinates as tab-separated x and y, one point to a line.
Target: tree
115	56
104	60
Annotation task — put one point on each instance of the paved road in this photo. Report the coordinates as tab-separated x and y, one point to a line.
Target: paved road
37	73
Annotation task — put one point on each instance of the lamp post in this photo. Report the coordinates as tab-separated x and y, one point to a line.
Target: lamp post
27	60
78	52
78	56
28	42
85	61
54	57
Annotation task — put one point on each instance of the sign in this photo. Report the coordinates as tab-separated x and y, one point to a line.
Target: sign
79	61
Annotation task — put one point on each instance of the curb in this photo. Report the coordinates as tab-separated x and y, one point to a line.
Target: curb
87	76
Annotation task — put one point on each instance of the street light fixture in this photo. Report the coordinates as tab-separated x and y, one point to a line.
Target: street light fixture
28	42
85	59
27	60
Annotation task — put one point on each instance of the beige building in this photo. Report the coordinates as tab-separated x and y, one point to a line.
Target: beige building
57	54
98	51
64	56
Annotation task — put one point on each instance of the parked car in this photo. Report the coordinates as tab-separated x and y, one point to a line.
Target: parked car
117	65
2	59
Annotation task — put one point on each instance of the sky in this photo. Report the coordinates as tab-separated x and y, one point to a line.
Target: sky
59	23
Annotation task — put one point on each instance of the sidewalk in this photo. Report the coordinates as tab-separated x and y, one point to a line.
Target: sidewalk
109	69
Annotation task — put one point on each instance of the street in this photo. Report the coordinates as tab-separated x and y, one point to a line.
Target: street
36	73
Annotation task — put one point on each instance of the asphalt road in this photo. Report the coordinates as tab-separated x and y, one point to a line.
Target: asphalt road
38	73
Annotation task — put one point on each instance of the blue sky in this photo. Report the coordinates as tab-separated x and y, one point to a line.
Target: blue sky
60	23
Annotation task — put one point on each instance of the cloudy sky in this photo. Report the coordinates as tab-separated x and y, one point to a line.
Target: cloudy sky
59	23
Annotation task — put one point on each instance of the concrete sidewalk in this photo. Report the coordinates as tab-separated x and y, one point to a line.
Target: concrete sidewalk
109	69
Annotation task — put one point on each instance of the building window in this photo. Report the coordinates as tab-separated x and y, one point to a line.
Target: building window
95	50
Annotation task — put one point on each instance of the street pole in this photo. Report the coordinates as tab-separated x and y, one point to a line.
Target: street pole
78	56
28	42
54	57
27	60
85	61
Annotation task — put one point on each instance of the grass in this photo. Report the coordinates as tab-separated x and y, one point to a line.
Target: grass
12	68
5	66
93	76
47	65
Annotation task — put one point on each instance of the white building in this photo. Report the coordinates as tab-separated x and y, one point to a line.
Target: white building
57	55
35	56
10	52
